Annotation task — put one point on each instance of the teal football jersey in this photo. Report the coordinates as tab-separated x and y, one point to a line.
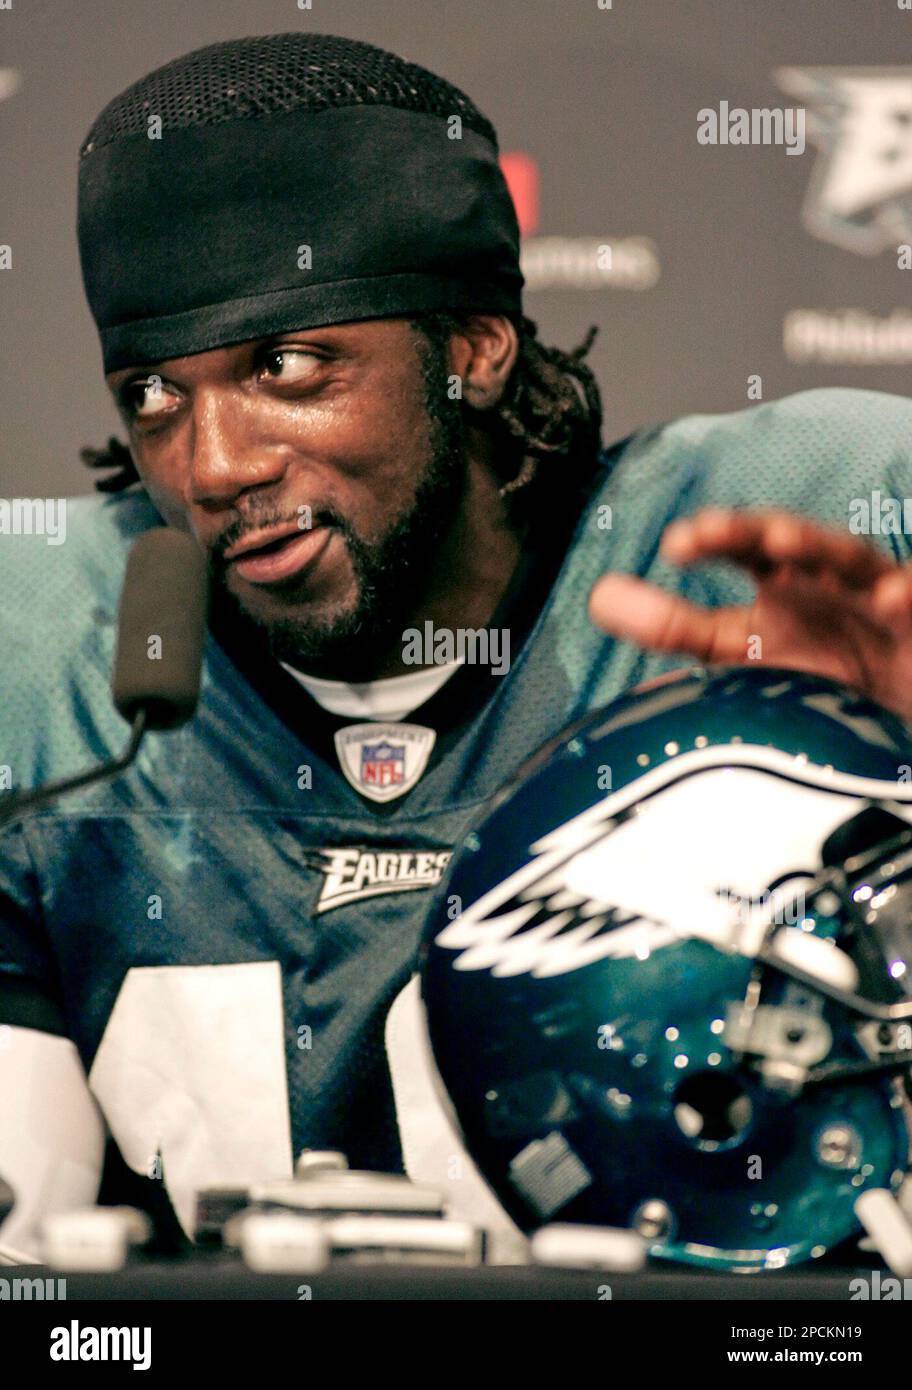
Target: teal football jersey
221	930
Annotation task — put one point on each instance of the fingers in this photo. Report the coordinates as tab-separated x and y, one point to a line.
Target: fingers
635	611
891	597
762	541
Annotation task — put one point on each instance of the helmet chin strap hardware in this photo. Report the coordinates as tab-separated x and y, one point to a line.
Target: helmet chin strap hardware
788	1041
867	865
814	958
886	1043
822	965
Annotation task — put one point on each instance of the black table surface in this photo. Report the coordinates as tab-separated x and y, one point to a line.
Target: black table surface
219	1277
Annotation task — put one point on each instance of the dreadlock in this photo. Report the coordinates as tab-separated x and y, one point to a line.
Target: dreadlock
551	410
114	456
550	413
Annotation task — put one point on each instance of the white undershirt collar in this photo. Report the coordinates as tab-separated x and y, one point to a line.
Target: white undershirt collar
389	699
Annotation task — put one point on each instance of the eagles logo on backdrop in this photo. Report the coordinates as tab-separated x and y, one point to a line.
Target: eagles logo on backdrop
860	194
383	761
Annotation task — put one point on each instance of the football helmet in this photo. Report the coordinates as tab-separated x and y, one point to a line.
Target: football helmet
668	980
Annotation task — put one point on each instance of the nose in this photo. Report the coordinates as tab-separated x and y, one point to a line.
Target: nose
229	453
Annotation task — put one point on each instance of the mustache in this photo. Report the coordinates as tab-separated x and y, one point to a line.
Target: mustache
250	525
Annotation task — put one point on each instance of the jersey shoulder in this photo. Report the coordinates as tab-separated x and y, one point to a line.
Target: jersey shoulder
61	588
86	545
815	452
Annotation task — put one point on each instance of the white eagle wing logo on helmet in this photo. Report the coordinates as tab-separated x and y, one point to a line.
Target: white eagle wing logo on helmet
689	850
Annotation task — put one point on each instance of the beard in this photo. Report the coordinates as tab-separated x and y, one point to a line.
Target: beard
389	571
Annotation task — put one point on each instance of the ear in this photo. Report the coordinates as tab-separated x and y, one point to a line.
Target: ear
483	352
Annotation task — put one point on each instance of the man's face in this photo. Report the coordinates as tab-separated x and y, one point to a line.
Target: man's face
336	452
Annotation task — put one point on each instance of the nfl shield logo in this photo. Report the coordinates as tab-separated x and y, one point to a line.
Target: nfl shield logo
382	764
384	761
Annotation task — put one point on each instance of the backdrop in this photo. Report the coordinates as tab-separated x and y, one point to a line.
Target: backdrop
723	186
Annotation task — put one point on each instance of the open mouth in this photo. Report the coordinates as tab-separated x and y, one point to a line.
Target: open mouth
272	547
282	558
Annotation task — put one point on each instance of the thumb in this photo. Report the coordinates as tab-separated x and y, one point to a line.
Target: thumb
636	611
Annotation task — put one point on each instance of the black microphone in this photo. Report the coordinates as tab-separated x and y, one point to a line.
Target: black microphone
160	630
157	668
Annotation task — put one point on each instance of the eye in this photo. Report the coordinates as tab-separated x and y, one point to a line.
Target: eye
289	365
143	398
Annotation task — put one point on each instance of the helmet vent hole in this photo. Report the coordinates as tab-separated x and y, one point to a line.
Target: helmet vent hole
712	1110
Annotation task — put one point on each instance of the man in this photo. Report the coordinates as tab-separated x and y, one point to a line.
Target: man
303	262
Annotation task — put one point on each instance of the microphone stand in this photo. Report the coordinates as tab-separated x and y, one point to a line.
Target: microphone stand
15	803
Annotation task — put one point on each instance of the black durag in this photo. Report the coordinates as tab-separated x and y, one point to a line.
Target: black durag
285	182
